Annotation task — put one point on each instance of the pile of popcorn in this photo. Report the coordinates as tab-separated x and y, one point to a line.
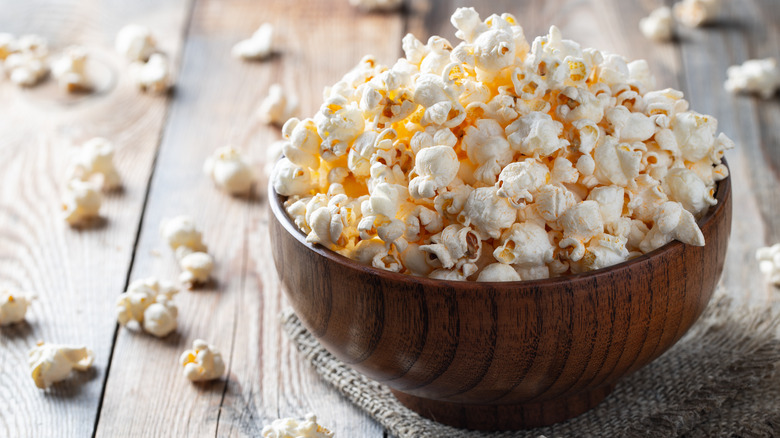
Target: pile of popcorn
498	160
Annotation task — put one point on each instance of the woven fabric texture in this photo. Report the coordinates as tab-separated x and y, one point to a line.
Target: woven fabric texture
721	379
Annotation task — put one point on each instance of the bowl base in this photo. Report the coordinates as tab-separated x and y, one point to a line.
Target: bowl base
505	417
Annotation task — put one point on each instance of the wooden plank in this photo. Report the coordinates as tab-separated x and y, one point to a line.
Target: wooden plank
75	273
750	31
216	96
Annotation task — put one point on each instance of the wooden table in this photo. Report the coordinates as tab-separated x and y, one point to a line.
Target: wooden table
136	387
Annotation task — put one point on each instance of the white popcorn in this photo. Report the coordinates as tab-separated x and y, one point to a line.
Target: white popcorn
672	222
51	363
196	266
630	127
8	45
277	107
160	317
602	251
694	13
13	306
685	187
81	202
553	200
141	294
580	223
520	181
498	272
96	158
258	46
435	167
203	362
291	180
617	163
181	231
769	262
377	5
487	147
229	171
645	198
70	70
610	200
659	25
152	76
454	247
535	134
294	428
304	144
695	134
525	245
338	123
488	213
759	76
135	43
28	65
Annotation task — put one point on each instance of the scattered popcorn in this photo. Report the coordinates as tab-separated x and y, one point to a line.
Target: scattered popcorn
203	362
152	76
258	46
769	262
377	5
277	107
694	13
96	158
81	202
70	70
759	76
13	307
149	302
51	363
135	43
229	171
181	231
196	266
499	160
659	25
294	428
28	64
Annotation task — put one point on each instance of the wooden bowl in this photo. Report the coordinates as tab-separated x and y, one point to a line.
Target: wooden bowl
501	356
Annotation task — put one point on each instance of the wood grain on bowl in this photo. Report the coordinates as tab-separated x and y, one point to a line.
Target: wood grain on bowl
501	355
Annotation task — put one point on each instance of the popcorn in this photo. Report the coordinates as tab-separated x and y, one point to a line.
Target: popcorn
152	76
196	266
203	362
51	363
8	45
81	202
70	70
148	302
377	5
227	168
497	159
291	427
759	76
659	25
96	158
28	64
13	307
181	232
277	107
135	43
769	262
258	46
694	13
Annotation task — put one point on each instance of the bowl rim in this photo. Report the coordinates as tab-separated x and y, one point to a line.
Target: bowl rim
722	194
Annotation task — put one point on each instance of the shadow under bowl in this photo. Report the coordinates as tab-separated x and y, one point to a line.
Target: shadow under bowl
501	356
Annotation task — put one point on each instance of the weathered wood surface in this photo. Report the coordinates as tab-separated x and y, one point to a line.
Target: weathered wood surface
136	388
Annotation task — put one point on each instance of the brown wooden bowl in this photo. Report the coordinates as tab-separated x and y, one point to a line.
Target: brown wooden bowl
500	356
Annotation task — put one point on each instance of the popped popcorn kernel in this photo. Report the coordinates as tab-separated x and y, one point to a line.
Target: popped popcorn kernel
26	59
659	25
70	70
229	171
51	363
135	43
13	306
81	202
498	159
153	75
769	263
203	362
258	46
294	428
695	13
96	159
149	302
277	107
760	76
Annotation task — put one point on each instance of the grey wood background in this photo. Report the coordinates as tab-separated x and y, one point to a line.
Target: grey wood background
135	387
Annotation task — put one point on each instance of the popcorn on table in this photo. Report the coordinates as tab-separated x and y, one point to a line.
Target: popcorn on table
229	171
192	254
70	70
294	428
96	158
81	202
203	362
277	107
51	363
13	306
377	5
196	266
659	25
545	158
135	43
760	76
153	75
694	13
149	302
181	231
258	46
769	263
26	59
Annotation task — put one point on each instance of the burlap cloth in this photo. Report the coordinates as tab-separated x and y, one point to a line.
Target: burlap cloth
719	380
